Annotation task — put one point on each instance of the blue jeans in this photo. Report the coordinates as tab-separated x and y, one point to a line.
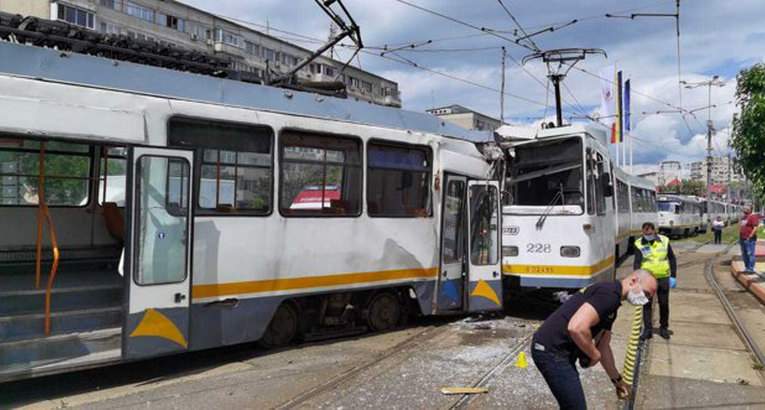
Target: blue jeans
747	253
562	378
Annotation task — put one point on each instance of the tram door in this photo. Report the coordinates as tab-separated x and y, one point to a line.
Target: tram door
484	287
453	273
158	257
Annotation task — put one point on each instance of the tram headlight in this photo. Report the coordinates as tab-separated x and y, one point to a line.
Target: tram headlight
570	251
509	251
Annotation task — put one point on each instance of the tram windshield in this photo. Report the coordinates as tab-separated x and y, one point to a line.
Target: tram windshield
666	206
547	174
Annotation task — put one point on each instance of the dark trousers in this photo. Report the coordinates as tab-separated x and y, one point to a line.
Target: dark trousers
663	294
718	237
562	378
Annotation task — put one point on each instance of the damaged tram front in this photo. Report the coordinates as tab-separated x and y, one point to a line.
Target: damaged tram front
558	208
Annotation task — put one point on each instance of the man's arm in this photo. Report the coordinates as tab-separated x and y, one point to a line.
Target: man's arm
607	356
672	261
755	223
579	329
637	260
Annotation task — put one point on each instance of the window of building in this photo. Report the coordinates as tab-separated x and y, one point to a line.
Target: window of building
398	180
269	54
76	16
109	28
138	11
108	3
252	48
234	165
329	71
320	175
67	173
366	86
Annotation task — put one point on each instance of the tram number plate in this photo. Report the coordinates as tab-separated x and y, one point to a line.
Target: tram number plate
538	248
539	269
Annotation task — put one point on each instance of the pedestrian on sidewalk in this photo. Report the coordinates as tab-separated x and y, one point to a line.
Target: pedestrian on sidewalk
717	228
748	238
581	328
654	254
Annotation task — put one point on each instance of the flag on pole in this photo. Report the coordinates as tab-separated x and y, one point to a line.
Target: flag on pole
627	112
618	127
607	98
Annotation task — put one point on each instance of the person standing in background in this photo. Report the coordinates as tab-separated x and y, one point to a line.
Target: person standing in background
748	238
717	228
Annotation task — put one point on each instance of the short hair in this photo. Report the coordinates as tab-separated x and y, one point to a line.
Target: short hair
649	224
747	208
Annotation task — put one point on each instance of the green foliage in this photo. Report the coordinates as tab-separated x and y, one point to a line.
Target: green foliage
748	137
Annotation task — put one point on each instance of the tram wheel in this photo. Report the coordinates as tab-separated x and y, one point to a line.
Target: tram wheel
283	327
384	312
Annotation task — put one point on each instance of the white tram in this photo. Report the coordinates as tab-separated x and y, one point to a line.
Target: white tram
559	222
210	248
636	204
679	215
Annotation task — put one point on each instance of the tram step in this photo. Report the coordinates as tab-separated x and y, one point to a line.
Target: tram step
31	325
62	299
35	355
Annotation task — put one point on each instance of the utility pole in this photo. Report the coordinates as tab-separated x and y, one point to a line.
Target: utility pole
715	81
710	129
502	89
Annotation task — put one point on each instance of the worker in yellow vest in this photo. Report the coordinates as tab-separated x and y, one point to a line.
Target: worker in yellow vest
654	254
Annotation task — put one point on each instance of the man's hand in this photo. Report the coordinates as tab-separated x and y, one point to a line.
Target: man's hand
623	390
594	359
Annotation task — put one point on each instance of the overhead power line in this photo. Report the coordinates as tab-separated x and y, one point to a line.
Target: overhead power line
517	24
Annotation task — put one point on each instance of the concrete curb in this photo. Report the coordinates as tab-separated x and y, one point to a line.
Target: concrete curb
752	283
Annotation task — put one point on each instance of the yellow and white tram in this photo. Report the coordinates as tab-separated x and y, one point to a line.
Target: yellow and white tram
559	220
147	212
569	213
680	215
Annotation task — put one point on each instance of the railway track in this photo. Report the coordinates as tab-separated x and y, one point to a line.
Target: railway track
486	379
418	337
741	329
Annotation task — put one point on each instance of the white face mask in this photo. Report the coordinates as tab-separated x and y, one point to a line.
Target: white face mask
650	237
637	297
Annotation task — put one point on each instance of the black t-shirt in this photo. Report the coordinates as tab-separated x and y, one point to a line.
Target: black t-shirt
605	297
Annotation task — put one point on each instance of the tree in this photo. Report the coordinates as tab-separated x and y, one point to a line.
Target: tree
748	137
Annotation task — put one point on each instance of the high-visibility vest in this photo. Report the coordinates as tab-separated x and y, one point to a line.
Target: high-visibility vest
655	258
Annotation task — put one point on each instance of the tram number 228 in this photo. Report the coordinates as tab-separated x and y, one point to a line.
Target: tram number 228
538	248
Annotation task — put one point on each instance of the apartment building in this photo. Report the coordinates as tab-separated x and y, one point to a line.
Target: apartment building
176	23
720	170
466	118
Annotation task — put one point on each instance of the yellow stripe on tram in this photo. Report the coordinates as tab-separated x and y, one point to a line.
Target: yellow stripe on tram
307	282
563	270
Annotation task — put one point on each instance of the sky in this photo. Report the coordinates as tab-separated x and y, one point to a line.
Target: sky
717	38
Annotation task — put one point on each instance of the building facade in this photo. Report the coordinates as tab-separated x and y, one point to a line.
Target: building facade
723	168
178	24
466	118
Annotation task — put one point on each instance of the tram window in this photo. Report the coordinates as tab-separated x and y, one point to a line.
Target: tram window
235	165
484	249
113	170
67	172
601	196
546	174
320	175
453	224
398	180
623	196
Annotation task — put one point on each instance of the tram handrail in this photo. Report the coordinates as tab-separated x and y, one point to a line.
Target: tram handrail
43	215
